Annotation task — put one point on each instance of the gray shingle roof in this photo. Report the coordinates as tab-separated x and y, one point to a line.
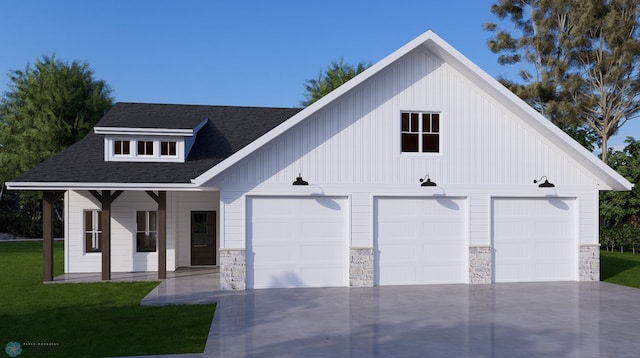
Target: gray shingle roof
228	130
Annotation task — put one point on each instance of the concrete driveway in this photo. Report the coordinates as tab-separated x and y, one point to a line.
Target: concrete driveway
560	319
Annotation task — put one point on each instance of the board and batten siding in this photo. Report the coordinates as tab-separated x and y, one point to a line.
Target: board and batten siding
352	147
356	139
124	257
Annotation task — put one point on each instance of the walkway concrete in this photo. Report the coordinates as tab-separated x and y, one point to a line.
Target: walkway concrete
193	285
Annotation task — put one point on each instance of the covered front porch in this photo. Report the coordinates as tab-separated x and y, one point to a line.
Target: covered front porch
184	223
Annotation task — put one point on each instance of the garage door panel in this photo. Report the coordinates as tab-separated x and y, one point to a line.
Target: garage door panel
534	239
406	275
297	242
441	274
420	241
400	251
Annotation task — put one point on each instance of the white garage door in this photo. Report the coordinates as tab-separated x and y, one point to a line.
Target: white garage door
534	240
297	242
420	241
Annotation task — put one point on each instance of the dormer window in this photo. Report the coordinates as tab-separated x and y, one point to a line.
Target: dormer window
125	144
168	149
145	147
121	147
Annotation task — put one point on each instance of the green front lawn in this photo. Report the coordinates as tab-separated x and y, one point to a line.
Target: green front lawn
620	268
88	320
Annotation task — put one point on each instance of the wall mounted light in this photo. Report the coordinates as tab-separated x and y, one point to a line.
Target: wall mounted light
427	182
299	181
545	184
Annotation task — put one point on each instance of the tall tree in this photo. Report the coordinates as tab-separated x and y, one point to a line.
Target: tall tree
582	61
336	74
48	107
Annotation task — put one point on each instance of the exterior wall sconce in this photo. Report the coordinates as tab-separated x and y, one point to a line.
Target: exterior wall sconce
427	182
299	181
545	184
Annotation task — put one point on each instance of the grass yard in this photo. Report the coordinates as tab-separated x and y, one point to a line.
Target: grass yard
88	320
620	268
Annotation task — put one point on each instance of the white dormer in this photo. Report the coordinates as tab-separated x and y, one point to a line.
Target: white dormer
147	144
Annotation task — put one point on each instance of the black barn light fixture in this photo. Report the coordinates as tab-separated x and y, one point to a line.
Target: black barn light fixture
427	182
545	184
299	180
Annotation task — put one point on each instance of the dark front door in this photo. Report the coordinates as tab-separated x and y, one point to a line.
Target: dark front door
203	238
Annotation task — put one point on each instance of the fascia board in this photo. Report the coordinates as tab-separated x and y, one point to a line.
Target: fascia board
58	186
144	131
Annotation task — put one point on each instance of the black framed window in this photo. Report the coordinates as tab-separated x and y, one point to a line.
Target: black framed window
145	147
121	147
93	230
168	148
146	231
420	132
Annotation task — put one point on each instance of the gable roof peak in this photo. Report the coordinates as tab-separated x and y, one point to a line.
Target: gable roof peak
437	46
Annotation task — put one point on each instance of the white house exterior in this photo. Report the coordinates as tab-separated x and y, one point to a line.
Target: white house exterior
423	114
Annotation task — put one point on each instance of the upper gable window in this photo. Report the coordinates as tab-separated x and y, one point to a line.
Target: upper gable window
145	147
168	148
121	147
420	132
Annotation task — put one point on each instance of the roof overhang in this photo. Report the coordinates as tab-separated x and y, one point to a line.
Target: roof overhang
143	131
61	186
181	132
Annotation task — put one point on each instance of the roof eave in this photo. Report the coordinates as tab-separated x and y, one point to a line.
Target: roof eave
144	131
63	186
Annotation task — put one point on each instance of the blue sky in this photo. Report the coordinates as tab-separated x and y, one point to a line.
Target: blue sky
255	53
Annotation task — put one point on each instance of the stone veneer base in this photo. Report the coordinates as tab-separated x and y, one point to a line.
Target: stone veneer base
233	269
589	266
479	264
361	267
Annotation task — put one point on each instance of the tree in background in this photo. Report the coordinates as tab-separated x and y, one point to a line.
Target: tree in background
583	62
48	107
336	74
620	211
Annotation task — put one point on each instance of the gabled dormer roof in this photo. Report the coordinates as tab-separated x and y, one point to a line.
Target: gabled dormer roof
225	130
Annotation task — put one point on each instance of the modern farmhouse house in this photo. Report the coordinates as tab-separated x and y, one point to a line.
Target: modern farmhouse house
421	170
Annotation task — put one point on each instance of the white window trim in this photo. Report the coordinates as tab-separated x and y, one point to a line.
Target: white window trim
133	156
420	133
94	233
113	149
167	155
147	231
